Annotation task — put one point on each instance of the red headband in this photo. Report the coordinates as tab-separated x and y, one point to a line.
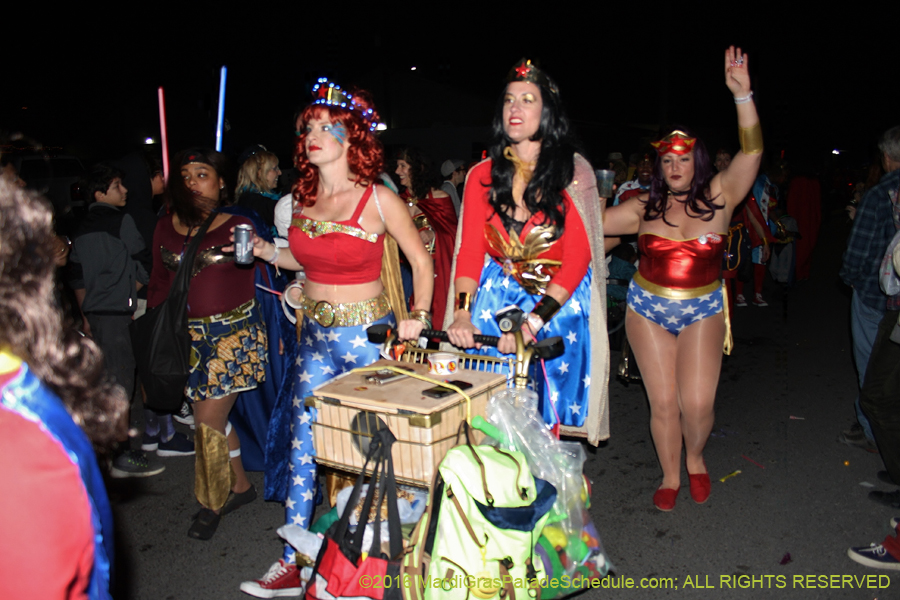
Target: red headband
677	142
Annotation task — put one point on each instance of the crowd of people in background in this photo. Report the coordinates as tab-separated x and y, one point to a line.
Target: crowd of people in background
352	236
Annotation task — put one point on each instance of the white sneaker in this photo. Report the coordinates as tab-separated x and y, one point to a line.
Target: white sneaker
739	300
282	580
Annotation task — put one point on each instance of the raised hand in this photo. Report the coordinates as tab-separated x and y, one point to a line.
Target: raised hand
737	75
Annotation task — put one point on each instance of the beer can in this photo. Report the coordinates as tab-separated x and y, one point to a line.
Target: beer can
243	245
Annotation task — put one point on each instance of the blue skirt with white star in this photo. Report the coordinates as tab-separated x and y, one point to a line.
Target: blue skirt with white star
324	353
565	388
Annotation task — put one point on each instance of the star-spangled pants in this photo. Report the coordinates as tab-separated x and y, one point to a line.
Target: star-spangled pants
324	353
565	389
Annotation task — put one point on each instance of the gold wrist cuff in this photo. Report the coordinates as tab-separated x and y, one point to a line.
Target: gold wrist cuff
751	139
464	301
422	316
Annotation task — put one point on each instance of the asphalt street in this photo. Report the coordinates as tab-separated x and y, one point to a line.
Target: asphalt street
778	528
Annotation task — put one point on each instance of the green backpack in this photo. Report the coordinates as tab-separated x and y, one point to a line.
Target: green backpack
478	535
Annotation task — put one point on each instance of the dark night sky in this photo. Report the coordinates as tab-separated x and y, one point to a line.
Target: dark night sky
89	82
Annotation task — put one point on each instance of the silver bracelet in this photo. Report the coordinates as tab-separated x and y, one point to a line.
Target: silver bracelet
274	260
745	99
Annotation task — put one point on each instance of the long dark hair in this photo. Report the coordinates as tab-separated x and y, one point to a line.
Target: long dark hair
191	209
31	321
698	201
553	172
423	174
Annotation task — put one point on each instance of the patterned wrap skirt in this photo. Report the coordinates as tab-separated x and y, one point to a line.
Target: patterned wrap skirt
228	353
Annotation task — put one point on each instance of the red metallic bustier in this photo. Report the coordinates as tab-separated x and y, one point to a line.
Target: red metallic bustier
681	264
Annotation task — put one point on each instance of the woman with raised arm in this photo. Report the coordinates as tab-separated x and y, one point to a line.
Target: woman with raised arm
337	234
675	322
532	207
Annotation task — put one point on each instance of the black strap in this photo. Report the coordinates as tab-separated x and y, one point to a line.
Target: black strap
182	281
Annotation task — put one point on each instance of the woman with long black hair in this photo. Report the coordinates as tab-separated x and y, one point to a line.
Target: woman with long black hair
532	207
435	218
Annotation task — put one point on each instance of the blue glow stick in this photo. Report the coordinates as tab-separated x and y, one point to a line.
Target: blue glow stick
221	119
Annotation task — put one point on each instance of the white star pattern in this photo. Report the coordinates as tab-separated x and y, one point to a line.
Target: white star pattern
289	504
689	310
308	495
290	464
299	480
699	317
299	361
333	336
486	315
326	370
587	381
298	520
554	396
505	282
308	341
305	418
576	306
672	320
564	367
295	444
306	459
646	294
350	358
574	409
320	336
572	337
305	377
658	307
637	300
488	285
358	341
317	357
297	401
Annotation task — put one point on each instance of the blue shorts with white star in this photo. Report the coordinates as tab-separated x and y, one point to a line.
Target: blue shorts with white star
674	315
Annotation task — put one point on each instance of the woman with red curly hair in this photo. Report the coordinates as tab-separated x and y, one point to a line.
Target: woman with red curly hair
337	235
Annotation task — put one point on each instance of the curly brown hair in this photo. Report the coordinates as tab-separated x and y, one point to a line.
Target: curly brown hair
365	156
31	321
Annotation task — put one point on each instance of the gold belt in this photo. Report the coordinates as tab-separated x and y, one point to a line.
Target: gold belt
241	312
673	293
346	314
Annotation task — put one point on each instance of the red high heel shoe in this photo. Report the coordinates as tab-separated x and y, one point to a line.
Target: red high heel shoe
664	499
700	486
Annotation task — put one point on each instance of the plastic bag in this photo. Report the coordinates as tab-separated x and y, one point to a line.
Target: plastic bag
569	542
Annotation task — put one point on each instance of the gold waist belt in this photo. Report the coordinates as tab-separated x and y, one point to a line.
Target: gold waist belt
346	314
241	312
674	293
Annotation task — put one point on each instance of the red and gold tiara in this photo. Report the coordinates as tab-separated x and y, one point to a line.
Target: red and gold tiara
524	70
677	142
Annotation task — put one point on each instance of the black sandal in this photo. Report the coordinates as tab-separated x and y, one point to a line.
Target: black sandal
235	501
205	524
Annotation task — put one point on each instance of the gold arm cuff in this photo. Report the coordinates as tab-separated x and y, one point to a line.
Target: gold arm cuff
464	301
673	293
751	139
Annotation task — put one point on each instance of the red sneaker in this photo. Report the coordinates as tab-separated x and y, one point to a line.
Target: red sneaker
282	580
